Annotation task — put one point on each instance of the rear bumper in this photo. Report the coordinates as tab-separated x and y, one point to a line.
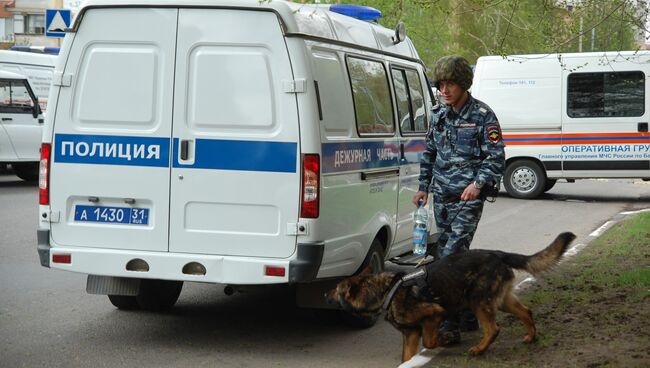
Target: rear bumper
303	267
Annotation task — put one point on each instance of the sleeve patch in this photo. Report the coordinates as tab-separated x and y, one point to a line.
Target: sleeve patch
494	133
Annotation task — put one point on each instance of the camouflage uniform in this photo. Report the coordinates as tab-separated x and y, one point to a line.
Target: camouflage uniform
461	148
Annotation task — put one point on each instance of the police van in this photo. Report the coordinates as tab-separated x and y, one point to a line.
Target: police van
569	116
231	142
38	68
21	122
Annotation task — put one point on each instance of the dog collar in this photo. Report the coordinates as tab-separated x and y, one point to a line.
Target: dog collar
418	277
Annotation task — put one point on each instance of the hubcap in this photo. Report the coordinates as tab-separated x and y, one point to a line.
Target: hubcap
523	180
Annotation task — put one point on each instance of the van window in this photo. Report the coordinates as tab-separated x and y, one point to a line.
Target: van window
372	101
15	98
611	94
410	101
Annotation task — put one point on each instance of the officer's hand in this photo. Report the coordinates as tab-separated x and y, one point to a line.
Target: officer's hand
470	193
420	196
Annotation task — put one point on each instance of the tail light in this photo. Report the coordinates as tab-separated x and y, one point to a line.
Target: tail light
44	174
310	186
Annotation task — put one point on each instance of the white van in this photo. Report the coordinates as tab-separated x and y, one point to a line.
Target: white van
20	125
38	68
231	142
569	116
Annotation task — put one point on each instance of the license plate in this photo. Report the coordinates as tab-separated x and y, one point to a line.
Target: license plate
112	215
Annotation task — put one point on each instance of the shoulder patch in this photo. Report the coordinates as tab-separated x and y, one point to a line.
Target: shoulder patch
494	133
483	110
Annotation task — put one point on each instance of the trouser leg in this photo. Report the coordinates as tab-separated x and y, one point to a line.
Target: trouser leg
461	222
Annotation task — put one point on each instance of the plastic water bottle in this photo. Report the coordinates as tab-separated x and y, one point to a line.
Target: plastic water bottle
420	232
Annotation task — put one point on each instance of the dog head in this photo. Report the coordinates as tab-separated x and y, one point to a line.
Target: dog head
362	294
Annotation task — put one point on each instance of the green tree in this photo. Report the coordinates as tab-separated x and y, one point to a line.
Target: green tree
474	28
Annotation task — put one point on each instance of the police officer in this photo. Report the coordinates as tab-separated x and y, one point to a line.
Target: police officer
464	154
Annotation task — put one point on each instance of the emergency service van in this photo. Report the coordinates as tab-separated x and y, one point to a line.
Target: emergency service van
38	68
21	123
230	142
569	116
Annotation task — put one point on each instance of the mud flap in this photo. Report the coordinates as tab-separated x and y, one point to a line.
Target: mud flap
106	285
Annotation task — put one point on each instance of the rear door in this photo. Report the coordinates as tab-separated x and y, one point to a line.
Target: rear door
235	181
109	178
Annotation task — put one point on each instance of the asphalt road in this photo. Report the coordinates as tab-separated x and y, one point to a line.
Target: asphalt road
47	319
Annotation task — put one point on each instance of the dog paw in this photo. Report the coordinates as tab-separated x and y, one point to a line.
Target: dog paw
529	339
476	350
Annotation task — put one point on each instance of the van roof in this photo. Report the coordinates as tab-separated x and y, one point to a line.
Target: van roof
21	57
10	75
609	55
307	20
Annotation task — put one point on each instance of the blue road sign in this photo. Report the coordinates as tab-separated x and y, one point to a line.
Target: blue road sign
56	21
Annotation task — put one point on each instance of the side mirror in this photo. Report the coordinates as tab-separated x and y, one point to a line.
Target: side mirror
400	33
36	109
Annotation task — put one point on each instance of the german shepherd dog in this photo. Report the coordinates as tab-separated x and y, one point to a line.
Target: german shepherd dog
481	280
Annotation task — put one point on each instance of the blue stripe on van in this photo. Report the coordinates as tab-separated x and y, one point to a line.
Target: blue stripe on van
220	154
350	156
111	150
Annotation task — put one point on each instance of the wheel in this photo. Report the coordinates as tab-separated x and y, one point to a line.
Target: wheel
550	183
124	302
375	259
158	295
524	179
27	171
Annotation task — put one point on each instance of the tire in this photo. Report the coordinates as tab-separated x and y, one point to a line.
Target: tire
524	179
550	183
27	171
158	295
124	302
374	258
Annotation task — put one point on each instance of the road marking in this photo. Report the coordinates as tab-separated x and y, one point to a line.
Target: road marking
635	212
419	359
527	280
600	230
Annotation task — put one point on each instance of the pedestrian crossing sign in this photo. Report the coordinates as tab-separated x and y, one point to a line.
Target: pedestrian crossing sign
56	21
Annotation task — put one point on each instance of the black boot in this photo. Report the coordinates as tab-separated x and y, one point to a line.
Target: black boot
448	333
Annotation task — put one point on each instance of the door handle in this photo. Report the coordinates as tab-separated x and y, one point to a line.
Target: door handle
383	174
7	119
643	127
185	149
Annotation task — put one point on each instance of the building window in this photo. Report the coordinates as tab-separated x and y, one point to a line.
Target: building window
611	94
35	24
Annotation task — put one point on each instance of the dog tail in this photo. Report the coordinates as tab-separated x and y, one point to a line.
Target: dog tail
544	259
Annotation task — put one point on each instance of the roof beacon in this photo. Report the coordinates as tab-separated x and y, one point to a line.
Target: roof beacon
357	11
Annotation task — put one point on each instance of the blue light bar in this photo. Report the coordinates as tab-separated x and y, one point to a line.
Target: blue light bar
357	11
37	49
